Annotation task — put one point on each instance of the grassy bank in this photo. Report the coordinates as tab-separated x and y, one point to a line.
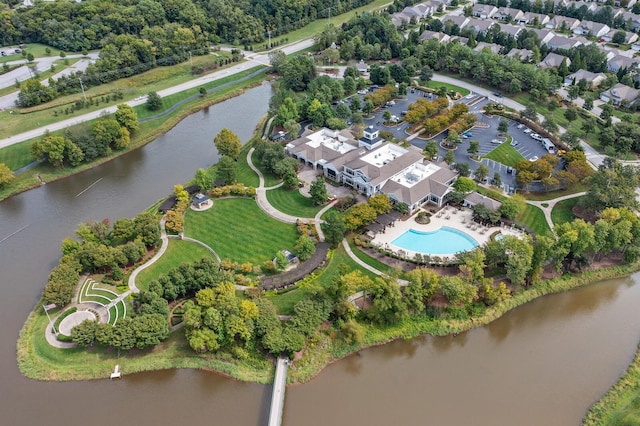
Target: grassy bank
149	130
327	350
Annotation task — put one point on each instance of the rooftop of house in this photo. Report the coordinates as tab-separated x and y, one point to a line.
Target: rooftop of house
476	198
623	92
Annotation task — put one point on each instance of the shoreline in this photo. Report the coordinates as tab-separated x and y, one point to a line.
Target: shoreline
34	364
35	177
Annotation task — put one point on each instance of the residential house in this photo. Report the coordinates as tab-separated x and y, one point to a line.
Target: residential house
619	62
460	21
595	29
373	166
508	14
620	95
523	55
400	19
543	34
629	37
428	35
512	30
594	79
614	12
553	60
633	18
479	26
531	18
562	22
636	46
493	48
561	42
589	6
484	11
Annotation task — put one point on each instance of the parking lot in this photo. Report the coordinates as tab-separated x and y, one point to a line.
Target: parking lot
485	132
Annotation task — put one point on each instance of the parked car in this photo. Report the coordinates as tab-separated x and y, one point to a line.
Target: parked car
497	94
514	143
528	131
520	126
496	141
509	169
467	134
536	136
534	158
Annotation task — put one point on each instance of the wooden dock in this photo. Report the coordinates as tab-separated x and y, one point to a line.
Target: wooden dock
277	397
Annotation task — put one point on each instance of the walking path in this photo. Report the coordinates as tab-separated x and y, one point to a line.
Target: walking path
551	204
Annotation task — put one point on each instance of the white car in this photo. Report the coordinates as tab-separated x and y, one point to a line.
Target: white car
496	141
520	126
534	158
527	131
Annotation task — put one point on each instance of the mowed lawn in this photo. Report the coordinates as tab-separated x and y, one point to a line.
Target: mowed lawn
533	217
437	84
238	230
563	211
290	201
505	154
178	252
17	155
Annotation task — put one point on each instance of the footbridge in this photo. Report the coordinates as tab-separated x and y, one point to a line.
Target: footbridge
277	397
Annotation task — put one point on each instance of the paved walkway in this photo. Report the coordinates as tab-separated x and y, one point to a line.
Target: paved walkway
551	204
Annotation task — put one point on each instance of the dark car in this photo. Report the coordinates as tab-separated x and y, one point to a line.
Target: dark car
509	170
497	94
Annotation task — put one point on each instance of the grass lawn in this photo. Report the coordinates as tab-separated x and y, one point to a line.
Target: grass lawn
178	252
18	155
285	301
505	154
317	26
290	201
544	196
269	179
368	259
627	411
562	211
437	84
533	217
237	229
43	75
244	173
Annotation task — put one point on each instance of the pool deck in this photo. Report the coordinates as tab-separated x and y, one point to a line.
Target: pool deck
460	220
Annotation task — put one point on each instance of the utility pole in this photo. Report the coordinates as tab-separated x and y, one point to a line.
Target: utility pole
269	33
82	87
190	59
329	14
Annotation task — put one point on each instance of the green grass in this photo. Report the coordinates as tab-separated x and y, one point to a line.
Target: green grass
545	196
18	155
451	87
237	229
317	26
505	154
244	173
269	179
178	252
533	217
562	211
375	263
285	301
43	75
290	201
627	412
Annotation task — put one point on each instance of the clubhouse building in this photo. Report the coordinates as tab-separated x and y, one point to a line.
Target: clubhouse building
371	166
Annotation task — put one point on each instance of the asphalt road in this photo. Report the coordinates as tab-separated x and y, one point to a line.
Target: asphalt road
252	59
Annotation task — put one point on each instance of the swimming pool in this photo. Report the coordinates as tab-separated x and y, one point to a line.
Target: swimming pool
443	241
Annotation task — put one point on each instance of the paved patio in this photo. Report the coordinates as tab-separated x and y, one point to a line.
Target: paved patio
460	220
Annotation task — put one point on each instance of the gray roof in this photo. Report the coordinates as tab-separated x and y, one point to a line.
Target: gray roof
622	92
476	198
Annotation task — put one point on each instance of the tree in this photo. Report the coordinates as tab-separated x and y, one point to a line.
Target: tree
84	334
503	125
449	157
318	191
510	208
228	144
154	101
227	170
202	91
588	104
481	173
530	112
550	125
619	37
203	180
304	247
51	148
388	306
571	114
464	185
453	138
457	291
127	117
519	253
431	149
6	175
333	228
497	180
463	169
474	148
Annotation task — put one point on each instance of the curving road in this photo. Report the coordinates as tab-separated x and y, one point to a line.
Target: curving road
251	60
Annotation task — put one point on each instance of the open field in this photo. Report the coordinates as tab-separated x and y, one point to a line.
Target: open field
59	66
437	84
235	229
178	252
505	154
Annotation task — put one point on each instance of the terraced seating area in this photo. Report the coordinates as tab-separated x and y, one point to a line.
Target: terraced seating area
91	292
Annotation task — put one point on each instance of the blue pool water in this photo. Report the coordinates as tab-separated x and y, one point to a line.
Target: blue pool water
444	241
